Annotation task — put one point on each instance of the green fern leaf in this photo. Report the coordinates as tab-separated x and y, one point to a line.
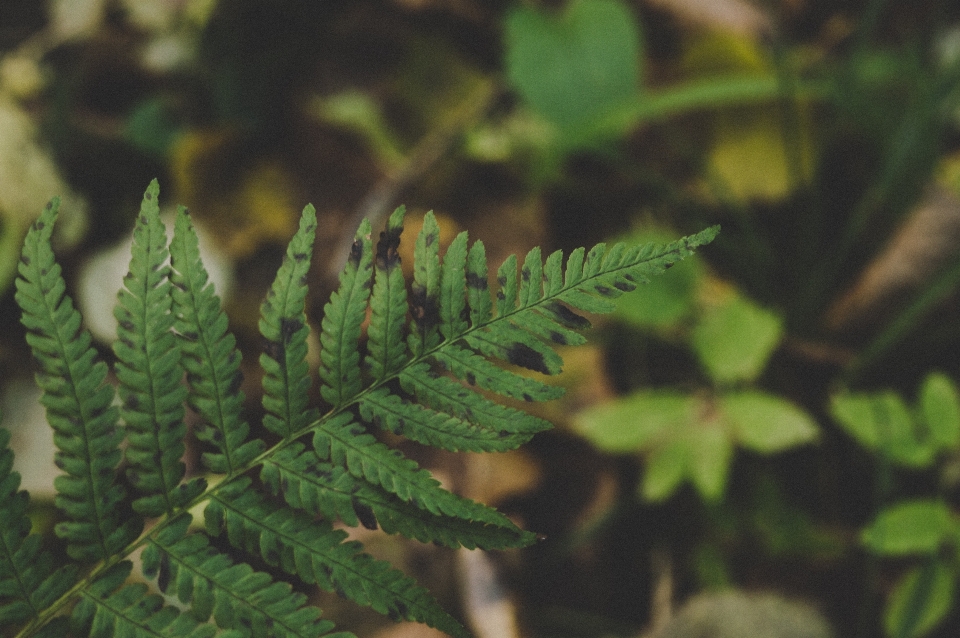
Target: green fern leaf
388	304
109	609
330	491
28	580
468	366
341	326
79	405
437	429
283	324
345	443
237	597
478	288
425	289
446	395
148	368
453	283
507	282
317	553
210	355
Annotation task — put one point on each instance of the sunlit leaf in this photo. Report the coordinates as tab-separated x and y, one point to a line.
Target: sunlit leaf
920	601
735	340
912	527
634	422
940	410
881	422
766	423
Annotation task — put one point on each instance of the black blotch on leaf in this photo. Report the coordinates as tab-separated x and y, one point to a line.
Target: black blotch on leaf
235	383
558	338
603	290
471	378
567	317
476	282
364	514
525	273
289	327
356	253
527	398
520	354
387	255
25	259
163	574
624	286
299	256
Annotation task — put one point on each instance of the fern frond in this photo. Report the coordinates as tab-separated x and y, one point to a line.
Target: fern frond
79	405
317	553
210	355
343	317
29	583
109	608
283	324
453	284
388	304
328	490
467	365
236	596
345	442
148	368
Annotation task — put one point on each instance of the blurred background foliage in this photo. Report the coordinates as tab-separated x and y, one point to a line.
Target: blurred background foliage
777	414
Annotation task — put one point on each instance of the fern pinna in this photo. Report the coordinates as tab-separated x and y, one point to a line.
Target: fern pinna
433	357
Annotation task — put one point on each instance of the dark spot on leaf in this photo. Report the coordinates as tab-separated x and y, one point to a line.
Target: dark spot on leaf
303	280
387	255
25	259
190	336
501	296
143	218
402	609
520	354
340	591
148	196
365	514
603	290
527	398
163	574
430	239
558	338
235	383
502	280
275	351
668	265
503	434
625	286
127	325
471	378
299	256
476	282
39	225
289	327
423	308
525	273
566	316
132	402
356	253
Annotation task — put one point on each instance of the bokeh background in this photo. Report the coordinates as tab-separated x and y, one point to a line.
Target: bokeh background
777	415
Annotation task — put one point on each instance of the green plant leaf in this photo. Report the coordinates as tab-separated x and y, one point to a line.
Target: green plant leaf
635	422
920	601
882	423
576	65
940	410
711	453
765	423
912	527
735	340
664	470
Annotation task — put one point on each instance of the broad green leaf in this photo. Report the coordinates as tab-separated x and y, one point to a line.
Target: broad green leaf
711	453
920	601
634	422
912	527
576	65
664	471
882	423
765	423
940	410
735	340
